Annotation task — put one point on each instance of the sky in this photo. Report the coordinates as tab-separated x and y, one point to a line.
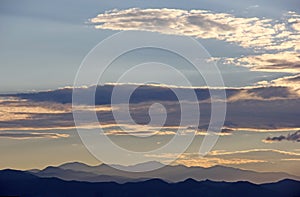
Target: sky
254	44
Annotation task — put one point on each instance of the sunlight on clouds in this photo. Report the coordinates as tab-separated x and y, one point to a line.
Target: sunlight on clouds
193	159
287	61
31	135
264	130
18	109
291	159
253	32
292	82
209	162
222	152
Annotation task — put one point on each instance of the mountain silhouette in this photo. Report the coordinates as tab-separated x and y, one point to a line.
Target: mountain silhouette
20	183
102	173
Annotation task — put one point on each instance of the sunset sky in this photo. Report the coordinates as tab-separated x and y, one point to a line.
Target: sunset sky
255	45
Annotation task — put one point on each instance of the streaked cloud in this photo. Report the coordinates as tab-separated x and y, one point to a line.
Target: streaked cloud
248	157
209	162
222	152
14	108
192	159
277	108
262	130
144	130
31	135
291	159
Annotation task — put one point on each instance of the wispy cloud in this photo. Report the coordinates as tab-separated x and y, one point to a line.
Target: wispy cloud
192	159
222	152
31	135
230	158
209	162
141	130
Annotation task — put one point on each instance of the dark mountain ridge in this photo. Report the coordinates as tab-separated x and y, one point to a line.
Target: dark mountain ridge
20	183
101	173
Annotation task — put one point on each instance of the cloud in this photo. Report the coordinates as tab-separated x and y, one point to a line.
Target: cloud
294	21
287	61
192	159
266	154
147	94
31	135
294	137
258	109
248	157
265	93
291	159
143	131
292	82
247	32
264	130
14	108
222	152
209	162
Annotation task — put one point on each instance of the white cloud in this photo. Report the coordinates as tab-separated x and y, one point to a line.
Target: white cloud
287	61
253	32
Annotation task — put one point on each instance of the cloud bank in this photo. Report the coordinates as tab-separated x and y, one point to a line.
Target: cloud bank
258	109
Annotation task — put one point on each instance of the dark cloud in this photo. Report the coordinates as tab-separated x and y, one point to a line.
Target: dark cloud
271	92
256	108
147	93
208	24
295	137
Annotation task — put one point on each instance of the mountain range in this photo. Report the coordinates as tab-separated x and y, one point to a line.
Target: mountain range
22	183
172	174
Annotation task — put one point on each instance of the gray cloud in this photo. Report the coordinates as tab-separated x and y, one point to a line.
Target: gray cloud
148	93
265	108
295	137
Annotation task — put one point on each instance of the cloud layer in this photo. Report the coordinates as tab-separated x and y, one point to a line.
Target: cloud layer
259	109
231	158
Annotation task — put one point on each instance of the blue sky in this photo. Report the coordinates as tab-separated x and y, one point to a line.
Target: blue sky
52	38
